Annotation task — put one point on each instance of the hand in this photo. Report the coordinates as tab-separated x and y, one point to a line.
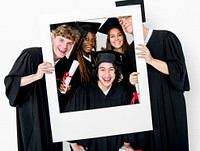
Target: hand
127	147
77	147
120	78
133	78
63	88
144	53
44	68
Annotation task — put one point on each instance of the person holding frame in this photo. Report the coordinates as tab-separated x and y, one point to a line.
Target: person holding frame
26	90
168	80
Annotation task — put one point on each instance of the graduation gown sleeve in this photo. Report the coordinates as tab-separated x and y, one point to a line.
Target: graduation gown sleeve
176	63
23	66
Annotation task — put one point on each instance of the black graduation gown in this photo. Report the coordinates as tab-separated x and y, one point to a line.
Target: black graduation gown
166	95
63	66
33	123
129	66
90	96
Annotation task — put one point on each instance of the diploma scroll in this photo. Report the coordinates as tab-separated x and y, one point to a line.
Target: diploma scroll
68	76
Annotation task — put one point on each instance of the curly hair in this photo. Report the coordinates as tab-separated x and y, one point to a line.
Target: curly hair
117	71
68	32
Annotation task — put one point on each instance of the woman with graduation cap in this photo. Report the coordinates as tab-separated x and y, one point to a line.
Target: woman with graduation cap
168	80
116	38
26	90
103	92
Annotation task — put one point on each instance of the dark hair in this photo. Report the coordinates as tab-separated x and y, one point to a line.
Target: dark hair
125	42
85	73
117	71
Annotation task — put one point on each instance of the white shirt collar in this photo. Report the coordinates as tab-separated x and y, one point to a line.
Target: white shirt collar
88	58
148	36
106	92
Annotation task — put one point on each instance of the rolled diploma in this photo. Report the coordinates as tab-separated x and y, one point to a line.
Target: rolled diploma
72	69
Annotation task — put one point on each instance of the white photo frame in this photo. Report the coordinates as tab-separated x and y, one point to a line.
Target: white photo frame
104	121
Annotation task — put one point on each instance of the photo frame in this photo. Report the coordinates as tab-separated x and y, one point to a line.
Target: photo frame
104	121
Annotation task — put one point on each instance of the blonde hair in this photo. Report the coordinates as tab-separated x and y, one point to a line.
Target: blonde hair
68	32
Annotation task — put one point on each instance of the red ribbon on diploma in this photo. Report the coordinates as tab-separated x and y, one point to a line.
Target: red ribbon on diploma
66	74
135	97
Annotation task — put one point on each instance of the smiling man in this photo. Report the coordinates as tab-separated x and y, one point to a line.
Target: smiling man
26	90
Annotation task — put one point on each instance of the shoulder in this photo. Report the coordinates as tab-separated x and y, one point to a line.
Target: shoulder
164	33
32	51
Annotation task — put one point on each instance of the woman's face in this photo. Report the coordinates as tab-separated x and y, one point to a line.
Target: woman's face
106	75
89	43
126	23
116	38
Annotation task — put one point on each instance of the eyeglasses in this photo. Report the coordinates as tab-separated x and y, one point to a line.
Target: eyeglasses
88	40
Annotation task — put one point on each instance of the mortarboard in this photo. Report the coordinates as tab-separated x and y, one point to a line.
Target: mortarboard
107	56
73	25
108	24
89	26
133	2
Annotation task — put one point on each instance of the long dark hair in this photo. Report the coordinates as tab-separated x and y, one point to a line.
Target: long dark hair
85	73
125	42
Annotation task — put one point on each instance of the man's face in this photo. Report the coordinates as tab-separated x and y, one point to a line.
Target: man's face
126	23
61	46
106	74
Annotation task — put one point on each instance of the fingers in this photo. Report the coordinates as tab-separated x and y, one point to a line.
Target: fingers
63	88
144	53
46	68
143	50
133	78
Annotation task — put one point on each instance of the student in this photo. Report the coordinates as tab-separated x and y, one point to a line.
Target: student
116	38
103	92
168	80
26	90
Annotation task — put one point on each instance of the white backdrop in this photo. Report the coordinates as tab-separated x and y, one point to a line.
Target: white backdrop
19	28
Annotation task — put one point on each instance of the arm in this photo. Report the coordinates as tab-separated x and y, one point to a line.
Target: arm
43	68
157	64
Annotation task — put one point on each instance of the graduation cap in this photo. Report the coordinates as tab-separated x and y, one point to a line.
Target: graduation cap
89	26
109	24
73	25
110	56
133	2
